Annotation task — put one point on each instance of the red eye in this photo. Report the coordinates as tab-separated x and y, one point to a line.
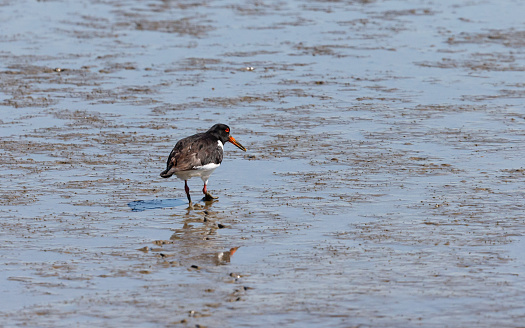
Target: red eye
227	130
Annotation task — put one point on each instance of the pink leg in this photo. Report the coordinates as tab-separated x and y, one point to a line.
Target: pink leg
207	195
187	189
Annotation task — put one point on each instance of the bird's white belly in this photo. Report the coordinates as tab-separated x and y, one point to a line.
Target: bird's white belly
203	172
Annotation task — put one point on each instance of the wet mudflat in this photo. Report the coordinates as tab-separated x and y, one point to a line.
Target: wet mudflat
383	183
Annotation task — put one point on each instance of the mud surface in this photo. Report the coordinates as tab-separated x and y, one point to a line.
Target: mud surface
383	183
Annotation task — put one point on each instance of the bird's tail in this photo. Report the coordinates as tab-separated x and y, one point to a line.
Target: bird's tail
167	173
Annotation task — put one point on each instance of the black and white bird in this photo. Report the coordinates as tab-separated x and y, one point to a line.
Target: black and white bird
198	156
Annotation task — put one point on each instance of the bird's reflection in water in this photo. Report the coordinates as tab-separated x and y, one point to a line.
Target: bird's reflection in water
224	257
197	243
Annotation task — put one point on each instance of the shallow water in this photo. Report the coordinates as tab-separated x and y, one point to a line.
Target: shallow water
382	185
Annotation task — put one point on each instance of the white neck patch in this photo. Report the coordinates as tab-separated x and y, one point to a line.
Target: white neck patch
220	144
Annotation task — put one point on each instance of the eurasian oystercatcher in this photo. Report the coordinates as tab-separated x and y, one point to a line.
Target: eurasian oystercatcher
198	156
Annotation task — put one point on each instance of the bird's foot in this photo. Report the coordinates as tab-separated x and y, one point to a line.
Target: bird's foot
208	197
190	206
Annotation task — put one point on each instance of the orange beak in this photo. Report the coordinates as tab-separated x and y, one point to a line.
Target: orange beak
233	141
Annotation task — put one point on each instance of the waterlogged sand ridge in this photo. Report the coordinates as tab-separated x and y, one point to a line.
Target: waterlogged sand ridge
382	185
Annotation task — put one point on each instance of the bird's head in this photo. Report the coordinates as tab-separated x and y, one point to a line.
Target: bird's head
222	132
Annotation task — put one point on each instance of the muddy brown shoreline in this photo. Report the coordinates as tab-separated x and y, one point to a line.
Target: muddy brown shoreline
382	184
